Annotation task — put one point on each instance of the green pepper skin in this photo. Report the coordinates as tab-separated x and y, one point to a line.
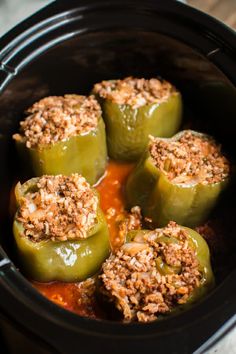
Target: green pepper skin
203	256
67	261
163	201
196	242
85	154
128	129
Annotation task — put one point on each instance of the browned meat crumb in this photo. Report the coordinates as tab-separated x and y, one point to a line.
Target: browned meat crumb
209	234
135	92
124	222
63	208
193	158
132	221
213	232
87	291
57	118
131	279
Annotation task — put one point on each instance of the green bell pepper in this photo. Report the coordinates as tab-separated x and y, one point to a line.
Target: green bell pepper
128	128
162	201
71	260
198	244
85	154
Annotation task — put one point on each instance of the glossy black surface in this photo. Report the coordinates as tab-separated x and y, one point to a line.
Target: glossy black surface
66	48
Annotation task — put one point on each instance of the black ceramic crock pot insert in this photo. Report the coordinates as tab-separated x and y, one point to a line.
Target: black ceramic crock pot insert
66	47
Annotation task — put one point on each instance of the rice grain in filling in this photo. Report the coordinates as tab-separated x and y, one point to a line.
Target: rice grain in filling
135	92
57	118
194	158
131	280
63	208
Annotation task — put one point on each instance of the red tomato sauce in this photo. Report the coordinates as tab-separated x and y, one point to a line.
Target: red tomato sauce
110	187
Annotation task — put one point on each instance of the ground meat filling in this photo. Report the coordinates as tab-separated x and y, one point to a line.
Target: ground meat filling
132	279
63	208
130	221
57	118
135	92
191	159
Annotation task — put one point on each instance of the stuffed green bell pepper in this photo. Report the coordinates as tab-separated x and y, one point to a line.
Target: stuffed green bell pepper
64	134
178	179
157	272
134	108
59	229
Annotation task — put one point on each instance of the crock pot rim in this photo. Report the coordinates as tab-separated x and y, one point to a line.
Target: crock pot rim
58	13
16	286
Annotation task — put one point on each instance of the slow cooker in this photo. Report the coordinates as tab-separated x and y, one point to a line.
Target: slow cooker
66	47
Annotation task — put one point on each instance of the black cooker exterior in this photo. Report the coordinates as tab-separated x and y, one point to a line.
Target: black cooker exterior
30	323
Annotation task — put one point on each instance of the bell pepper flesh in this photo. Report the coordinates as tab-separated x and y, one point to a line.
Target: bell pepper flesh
128	129
162	201
71	260
85	154
203	256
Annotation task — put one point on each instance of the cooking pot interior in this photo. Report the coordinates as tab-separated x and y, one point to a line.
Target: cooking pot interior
75	65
